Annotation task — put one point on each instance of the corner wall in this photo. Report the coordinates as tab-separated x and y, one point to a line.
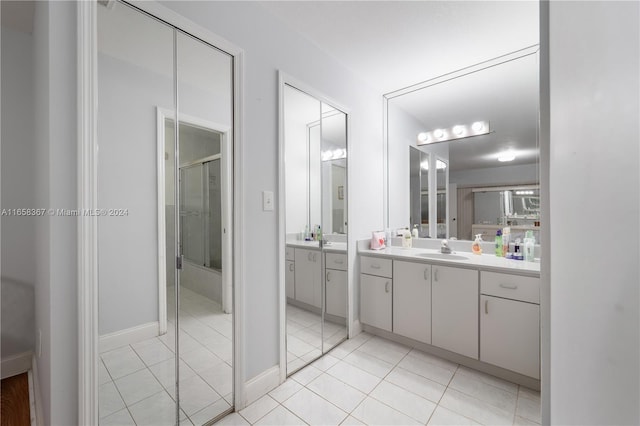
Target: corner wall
594	189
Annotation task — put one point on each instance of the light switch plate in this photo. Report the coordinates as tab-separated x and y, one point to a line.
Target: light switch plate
267	201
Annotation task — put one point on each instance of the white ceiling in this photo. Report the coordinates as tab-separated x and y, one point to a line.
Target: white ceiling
394	44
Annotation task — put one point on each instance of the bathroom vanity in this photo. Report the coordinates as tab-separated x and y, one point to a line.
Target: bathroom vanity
478	310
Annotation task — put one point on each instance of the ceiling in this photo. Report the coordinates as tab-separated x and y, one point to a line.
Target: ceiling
18	15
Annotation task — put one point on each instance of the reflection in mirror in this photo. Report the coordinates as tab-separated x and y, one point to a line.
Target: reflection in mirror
314	136
419	191
481	124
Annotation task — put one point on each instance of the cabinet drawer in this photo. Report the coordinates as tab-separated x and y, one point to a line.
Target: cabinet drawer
516	287
289	253
376	266
336	261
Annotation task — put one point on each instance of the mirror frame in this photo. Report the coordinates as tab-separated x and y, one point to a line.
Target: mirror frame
521	53
283	80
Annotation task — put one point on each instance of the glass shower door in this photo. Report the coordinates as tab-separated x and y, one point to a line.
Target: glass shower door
192	214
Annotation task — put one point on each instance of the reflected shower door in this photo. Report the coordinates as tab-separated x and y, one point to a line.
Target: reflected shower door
192	214
214	214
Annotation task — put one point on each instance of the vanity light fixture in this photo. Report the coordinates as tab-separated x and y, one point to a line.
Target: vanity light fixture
440	165
335	154
459	131
524	192
505	156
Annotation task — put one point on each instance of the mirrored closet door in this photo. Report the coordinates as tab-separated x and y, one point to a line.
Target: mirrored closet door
315	183
164	184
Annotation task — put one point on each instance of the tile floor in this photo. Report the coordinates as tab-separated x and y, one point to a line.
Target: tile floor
373	381
137	381
304	341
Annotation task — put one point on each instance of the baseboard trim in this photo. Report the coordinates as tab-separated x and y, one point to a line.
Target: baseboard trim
37	396
260	385
128	336
16	364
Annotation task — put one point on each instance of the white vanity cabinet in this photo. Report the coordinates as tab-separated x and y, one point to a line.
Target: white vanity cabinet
412	300
510	322
454	309
376	292
308	276
289	273
336	284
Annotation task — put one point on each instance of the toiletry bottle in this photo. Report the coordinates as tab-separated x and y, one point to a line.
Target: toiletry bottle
529	247
476	247
506	236
406	239
319	233
307	236
415	233
499	252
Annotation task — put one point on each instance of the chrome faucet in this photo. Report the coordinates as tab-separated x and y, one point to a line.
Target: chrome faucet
444	247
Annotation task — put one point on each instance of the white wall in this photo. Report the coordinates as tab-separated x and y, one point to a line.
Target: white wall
55	262
18	191
269	45
595	181
505	175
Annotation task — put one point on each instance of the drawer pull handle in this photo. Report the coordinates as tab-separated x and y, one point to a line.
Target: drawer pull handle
486	306
315	255
375	266
509	286
339	262
435	275
291	267
386	287
426	277
328	276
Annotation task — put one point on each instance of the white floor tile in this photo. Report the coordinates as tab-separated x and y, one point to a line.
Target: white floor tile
353	376
336	392
417	384
433	359
120	418
297	346
489	379
306	375
386	350
196	394
220	378
368	363
122	361
280	416
529	409
138	386
109	400
485	392
259	409
326	362
313	409
201	359
165	372
374	412
426	369
294	364
520	421
210	412
475	409
157	410
285	390
524	392
152	351
352	421
103	374
443	416
233	419
404	401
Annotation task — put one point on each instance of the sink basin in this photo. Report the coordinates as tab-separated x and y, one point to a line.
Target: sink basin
442	256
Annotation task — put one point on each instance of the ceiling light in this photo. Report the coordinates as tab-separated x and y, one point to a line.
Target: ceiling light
506	156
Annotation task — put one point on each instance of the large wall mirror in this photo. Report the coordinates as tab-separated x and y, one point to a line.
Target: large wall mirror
314	143
462	151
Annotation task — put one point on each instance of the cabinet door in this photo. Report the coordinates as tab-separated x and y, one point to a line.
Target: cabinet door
290	280
375	301
412	300
454	293
336	292
308	276
510	335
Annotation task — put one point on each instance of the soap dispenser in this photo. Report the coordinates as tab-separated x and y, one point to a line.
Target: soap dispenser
499	252
529	246
476	247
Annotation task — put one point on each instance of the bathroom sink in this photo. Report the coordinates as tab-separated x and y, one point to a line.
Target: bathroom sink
442	256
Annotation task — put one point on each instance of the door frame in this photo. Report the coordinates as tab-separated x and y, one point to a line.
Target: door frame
87	167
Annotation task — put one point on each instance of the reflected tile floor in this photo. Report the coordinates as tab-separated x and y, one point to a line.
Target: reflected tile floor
137	381
304	342
369	380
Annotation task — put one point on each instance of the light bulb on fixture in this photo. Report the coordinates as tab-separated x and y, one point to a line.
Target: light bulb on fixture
425	165
506	156
478	126
458	130
440	165
438	133
423	137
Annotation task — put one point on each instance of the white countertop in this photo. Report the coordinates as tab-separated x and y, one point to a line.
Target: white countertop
333	247
487	262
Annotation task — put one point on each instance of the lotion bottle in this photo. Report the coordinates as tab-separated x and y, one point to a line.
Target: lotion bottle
529	246
476	247
499	252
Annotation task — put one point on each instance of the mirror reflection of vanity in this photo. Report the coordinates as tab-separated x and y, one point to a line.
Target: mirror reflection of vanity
462	151
314	143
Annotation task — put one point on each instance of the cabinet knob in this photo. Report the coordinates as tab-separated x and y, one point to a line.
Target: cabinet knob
426	274
435	274
386	287
328	276
291	267
486	306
